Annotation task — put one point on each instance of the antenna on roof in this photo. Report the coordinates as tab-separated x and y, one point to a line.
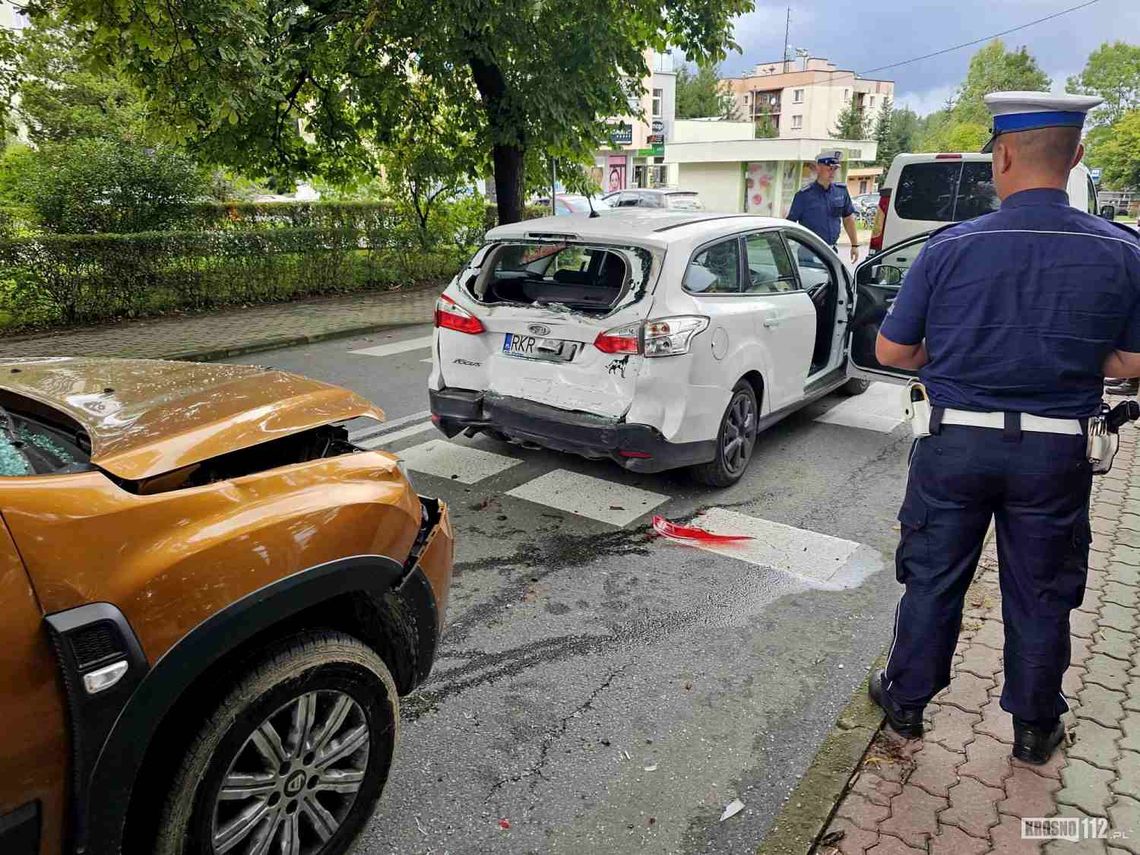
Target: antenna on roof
590	202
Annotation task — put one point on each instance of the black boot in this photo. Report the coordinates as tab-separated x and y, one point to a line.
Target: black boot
1034	743
907	723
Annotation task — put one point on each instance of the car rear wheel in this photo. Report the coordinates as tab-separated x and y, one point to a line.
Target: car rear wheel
855	386
293	760
735	440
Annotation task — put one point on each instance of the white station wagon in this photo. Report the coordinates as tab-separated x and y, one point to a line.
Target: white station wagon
655	339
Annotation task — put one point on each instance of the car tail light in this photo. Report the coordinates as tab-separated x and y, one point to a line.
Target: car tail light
880	220
947	157
635	455
672	336
449	315
625	339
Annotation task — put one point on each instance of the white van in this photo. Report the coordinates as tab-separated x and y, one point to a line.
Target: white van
923	192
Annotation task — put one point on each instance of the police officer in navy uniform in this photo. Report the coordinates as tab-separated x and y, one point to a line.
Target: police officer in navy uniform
823	204
1013	320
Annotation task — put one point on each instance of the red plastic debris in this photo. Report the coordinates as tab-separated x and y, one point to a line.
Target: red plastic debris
691	533
504	824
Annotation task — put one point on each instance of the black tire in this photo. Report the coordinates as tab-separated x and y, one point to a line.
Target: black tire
328	777
732	457
854	386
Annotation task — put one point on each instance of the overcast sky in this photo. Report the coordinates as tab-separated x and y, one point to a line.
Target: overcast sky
865	34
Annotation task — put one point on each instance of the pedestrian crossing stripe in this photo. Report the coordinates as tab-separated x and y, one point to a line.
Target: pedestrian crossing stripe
878	409
586	496
809	555
392	348
454	462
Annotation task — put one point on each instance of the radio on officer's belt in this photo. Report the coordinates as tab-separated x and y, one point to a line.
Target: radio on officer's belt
916	409
1103	437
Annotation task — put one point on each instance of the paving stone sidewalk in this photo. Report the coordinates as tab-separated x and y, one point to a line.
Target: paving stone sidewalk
958	791
226	333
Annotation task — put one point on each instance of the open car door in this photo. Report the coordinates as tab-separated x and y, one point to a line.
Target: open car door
878	279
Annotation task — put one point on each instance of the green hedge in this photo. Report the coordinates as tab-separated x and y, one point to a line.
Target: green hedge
66	279
231	254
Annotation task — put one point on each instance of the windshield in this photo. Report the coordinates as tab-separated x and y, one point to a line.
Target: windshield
29	446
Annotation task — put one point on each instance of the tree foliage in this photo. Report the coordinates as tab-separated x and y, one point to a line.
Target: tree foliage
62	98
702	94
430	157
1115	149
310	88
896	131
99	185
766	126
964	125
851	124
1112	73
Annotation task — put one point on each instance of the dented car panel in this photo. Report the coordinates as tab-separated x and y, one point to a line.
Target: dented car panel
83	539
148	417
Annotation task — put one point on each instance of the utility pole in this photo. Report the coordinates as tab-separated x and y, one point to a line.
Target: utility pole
787	29
553	185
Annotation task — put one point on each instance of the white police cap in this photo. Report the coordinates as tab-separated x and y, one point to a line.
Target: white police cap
1028	111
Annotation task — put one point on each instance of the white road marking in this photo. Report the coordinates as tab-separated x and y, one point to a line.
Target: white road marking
395	436
809	555
606	501
387	426
879	408
428	361
395	347
457	462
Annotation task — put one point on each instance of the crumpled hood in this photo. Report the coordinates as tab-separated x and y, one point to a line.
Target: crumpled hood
146	417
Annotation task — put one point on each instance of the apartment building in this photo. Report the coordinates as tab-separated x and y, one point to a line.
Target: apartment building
635	153
803	99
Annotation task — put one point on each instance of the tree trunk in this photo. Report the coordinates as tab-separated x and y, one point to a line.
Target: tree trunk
507	158
509	182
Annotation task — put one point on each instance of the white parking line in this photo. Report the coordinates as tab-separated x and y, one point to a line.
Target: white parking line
395	347
879	408
387	426
606	501
386	439
457	462
809	555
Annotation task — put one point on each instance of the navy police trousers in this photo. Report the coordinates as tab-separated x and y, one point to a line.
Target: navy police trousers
1036	487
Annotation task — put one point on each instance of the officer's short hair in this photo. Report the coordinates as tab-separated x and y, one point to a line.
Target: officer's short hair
1051	149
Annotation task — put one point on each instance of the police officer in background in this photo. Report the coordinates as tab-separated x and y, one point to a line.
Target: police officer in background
1013	319
823	203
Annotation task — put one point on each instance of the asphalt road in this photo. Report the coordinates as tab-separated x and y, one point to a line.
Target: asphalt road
604	690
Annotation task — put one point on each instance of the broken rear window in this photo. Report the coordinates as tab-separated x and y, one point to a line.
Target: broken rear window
582	277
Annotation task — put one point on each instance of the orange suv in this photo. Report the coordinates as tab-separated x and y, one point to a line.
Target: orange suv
210	603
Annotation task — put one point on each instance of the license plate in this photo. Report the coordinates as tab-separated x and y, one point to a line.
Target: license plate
533	347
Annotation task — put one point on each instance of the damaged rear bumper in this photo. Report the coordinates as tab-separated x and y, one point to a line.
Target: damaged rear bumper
639	448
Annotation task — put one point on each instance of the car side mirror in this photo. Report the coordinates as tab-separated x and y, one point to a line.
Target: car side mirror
1108	212
885	274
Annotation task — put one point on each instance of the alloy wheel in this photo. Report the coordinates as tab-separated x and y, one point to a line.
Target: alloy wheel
739	433
293	781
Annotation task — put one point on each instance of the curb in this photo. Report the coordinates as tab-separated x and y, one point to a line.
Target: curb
285	341
808	810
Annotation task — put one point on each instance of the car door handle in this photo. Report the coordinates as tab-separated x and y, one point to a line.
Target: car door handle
772	321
